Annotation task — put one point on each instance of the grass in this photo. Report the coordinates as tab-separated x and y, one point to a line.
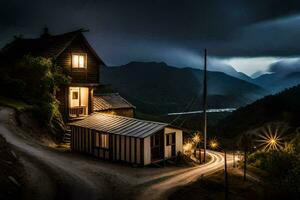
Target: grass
14	103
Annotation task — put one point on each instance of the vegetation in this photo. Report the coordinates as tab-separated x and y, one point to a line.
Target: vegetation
282	107
283	166
35	81
14	103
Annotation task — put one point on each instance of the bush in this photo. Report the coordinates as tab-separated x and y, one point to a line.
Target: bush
282	165
35	80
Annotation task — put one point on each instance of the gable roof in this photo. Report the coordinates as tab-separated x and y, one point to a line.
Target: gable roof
110	101
49	47
119	125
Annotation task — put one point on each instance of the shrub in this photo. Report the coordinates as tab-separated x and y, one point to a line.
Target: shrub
282	165
35	80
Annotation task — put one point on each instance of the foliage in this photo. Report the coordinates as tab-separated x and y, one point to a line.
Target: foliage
281	107
35	80
13	103
283	166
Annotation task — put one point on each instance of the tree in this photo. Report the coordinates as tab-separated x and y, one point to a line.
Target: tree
35	80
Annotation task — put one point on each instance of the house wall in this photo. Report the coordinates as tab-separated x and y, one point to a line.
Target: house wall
121	148
88	75
147	150
63	97
178	145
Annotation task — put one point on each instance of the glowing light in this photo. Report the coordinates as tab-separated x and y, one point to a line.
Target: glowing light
196	138
270	140
213	143
187	147
78	61
75	61
81	61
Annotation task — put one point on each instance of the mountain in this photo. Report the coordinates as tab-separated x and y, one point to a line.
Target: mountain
156	88
229	70
281	107
282	74
277	81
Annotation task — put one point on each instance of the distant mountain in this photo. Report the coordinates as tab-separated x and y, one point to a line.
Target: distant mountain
229	70
277	81
257	74
282	74
157	88
281	107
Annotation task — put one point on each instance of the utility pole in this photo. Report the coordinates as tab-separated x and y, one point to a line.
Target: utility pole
226	175
205	103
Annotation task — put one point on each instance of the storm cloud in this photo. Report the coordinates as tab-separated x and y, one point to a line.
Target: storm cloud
173	31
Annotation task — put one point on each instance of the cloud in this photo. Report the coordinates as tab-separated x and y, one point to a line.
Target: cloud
285	66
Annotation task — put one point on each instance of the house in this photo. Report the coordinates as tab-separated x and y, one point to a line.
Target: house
102	125
79	60
113	103
125	139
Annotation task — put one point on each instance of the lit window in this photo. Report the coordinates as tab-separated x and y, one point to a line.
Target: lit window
78	60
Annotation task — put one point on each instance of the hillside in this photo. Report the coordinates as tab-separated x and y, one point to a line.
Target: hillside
277	82
157	88
281	107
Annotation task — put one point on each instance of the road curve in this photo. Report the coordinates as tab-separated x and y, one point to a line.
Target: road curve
163	188
61	175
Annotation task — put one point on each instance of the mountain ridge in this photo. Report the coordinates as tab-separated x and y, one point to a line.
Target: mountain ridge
158	88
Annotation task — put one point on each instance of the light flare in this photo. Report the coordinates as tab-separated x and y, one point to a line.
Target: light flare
270	139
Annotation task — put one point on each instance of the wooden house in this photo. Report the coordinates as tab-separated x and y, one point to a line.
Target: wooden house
79	60
125	139
102	124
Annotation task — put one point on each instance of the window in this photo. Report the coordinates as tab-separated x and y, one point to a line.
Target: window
155	140
79	60
170	139
75	95
102	140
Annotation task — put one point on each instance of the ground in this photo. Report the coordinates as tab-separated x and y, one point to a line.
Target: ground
11	173
212	187
55	174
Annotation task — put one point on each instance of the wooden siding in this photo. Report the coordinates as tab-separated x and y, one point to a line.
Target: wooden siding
88	75
121	148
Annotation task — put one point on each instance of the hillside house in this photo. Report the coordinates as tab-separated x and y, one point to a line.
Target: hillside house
79	60
101	124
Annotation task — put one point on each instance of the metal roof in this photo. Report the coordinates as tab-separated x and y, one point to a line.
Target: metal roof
110	101
120	125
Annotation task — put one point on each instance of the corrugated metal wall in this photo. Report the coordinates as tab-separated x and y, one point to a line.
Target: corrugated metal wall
121	148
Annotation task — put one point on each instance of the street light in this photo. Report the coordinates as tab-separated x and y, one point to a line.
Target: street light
196	139
270	141
215	145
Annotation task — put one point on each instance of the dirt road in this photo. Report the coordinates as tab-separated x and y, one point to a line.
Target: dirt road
54	174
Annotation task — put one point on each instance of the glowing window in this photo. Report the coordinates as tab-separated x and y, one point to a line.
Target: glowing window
79	60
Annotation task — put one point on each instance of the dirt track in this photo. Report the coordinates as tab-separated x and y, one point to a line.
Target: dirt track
61	175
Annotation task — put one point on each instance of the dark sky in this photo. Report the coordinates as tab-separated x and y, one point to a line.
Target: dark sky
175	31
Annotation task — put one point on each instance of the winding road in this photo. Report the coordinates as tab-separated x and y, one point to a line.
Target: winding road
53	174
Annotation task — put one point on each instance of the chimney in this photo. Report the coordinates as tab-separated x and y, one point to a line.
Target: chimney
45	33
